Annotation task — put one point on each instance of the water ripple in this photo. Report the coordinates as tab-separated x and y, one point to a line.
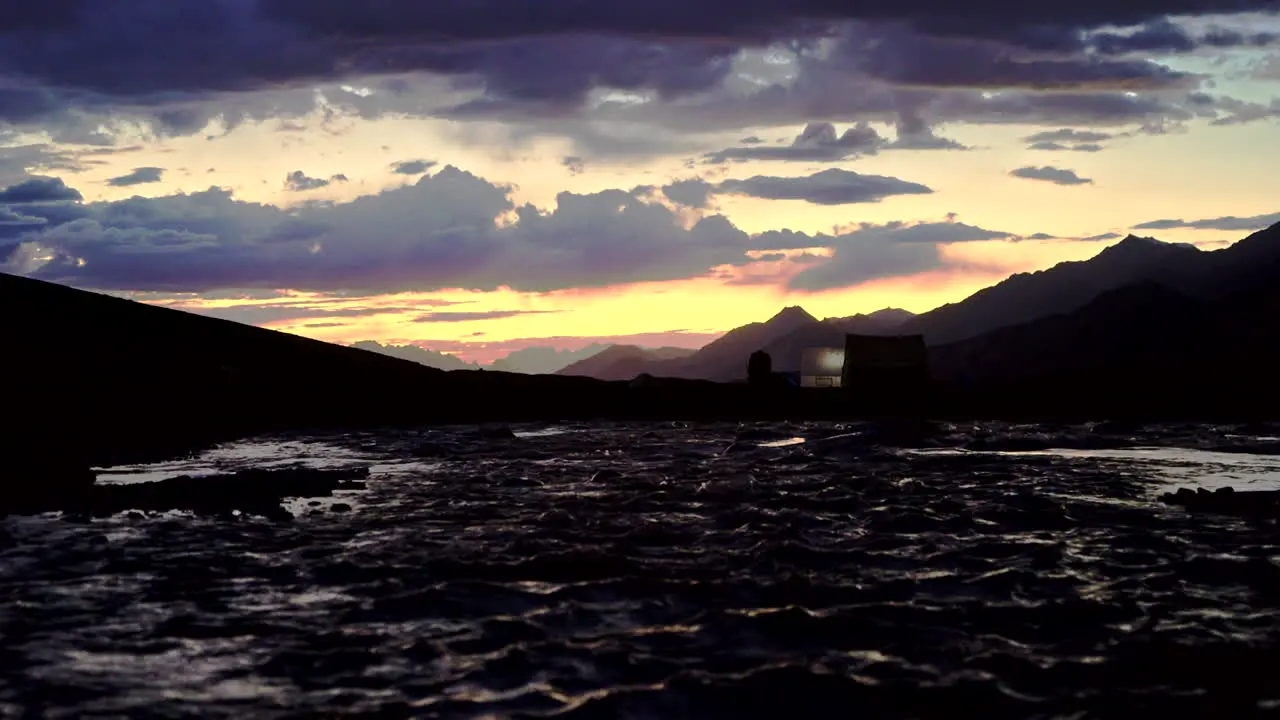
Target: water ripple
659	570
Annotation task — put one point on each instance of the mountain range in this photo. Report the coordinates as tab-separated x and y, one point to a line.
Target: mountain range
537	360
1140	302
1164	329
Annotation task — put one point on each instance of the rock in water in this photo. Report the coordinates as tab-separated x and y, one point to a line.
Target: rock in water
35	473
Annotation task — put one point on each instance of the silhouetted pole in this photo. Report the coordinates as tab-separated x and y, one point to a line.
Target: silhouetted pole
759	368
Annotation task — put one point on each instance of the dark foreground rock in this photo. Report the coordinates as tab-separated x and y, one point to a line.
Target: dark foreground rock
1255	505
251	492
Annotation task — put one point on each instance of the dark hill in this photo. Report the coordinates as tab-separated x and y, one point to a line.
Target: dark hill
1142	350
723	359
109	371
784	337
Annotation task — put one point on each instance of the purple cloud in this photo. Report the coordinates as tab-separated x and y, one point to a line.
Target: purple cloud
1057	176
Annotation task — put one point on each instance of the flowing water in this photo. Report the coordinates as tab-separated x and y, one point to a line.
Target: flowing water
666	571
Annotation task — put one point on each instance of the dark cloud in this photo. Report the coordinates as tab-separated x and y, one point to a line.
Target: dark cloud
872	252
818	142
915	134
1163	36
298	181
832	88
1103	236
139	176
39	190
1069	135
1255	222
14	222
574	164
19	162
906	58
325	325
1053	146
512	60
694	192
412	167
449	317
829	187
1057	176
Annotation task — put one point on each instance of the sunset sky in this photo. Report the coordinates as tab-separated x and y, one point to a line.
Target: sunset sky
480	176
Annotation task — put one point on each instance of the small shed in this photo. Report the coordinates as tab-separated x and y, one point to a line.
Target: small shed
885	363
821	367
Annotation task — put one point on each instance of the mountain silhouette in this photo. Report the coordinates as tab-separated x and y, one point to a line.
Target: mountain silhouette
1231	282
1133	329
1060	289
531	360
541	360
788	350
623	362
723	359
413	353
784	337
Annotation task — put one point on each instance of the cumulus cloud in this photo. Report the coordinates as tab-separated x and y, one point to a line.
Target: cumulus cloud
298	181
820	142
448	230
1057	176
1255	222
139	176
412	167
39	190
694	192
829	187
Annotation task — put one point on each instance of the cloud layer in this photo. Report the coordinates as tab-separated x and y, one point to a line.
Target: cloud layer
451	229
80	67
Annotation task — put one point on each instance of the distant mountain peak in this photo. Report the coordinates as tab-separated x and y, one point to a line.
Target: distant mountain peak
1137	244
891	315
792	314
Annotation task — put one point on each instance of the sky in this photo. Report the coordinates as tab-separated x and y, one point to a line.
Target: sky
479	176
